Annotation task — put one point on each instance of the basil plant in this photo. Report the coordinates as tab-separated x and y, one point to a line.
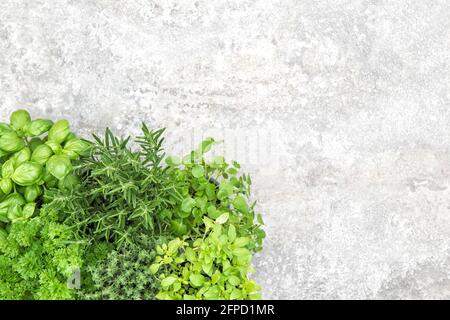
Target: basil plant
35	155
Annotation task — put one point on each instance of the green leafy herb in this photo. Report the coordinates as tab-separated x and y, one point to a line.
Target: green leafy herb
37	258
220	234
28	164
122	274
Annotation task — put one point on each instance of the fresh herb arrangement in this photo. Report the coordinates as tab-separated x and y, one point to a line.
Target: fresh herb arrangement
137	224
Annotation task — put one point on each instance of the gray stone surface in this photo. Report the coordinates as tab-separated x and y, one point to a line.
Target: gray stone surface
340	110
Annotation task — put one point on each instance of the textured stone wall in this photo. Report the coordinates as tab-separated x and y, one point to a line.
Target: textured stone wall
340	110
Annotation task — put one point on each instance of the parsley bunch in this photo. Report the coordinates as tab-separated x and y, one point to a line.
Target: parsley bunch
37	257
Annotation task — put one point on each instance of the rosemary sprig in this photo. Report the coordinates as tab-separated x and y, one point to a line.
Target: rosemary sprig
121	189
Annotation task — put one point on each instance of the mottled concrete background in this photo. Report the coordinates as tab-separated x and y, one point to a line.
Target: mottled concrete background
340	110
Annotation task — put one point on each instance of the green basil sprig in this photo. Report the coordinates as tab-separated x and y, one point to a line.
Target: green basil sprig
32	162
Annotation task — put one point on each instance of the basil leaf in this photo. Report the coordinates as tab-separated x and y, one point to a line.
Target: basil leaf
27	173
21	156
76	146
59	166
32	193
6	185
8	169
4	128
38	127
56	147
15	212
2	153
13	198
42	154
4	215
28	210
59	131
19	119
11	142
34	143
3	235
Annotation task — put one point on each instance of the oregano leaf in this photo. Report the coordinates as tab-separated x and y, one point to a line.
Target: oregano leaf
222	218
198	171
